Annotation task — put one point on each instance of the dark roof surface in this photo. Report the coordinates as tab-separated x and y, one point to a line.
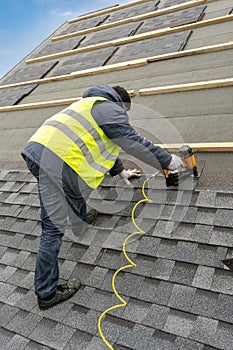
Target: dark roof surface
180	295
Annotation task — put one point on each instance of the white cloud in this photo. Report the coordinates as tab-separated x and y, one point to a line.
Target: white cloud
61	13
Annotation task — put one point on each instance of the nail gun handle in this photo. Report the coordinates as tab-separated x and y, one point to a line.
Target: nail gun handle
188	158
171	177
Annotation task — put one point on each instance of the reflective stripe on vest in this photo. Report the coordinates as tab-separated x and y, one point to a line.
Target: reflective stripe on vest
74	136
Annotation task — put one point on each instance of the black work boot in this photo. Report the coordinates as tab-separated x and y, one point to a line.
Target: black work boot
64	292
91	215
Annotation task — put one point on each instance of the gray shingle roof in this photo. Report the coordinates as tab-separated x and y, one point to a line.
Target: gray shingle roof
180	294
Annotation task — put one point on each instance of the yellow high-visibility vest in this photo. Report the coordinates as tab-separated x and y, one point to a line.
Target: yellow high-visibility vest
74	136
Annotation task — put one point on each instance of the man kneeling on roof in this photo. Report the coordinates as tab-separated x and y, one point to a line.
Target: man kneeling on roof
70	154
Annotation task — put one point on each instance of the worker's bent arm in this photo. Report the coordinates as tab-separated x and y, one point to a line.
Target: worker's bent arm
113	120
133	143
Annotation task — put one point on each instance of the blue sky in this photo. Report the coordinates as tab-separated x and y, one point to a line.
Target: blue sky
24	24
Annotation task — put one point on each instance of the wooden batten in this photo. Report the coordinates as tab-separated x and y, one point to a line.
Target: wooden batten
45	104
171	30
201	147
210	84
107	10
138	37
125	65
144	16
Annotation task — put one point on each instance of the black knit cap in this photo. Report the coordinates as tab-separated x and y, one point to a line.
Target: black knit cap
124	96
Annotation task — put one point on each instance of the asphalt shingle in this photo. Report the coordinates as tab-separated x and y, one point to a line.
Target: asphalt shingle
144	265
204	329
24	323
84	60
206	199
97	277
133	11
173	19
135	311
137	338
83	24
17	294
187	344
7	312
222	282
182	297
51	333
129	284
179	294
82	296
222	237
148	246
82	271
180	323
163	268
22	278
82	319
156	316
224	336
6	272
204	303
223	308
223	218
183	273
17	343
27	302
186	251
201	233
111	34
203	277
101	300
79	341
5	290
5	337
57	313
224	200
114	328
156	291
162	340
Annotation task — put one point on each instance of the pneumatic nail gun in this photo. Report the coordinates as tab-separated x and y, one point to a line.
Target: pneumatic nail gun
174	177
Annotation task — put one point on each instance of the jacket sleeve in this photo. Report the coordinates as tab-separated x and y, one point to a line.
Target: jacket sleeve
117	168
113	120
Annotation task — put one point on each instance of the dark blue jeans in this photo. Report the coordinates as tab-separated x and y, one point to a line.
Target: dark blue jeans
56	214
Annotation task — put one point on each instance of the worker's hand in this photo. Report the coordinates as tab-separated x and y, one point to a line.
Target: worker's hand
126	175
176	163
174	167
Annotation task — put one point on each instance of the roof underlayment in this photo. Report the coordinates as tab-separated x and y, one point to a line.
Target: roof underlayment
175	57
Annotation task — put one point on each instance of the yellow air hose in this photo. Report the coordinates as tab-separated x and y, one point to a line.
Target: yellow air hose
132	264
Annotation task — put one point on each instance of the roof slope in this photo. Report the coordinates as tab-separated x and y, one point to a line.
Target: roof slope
178	297
177	64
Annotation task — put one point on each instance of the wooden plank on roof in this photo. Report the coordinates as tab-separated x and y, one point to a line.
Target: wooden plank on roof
201	147
192	52
137	37
210	84
82	73
45	104
125	65
107	10
144	16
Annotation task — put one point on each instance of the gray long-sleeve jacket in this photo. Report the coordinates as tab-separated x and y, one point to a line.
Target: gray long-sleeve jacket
113	119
